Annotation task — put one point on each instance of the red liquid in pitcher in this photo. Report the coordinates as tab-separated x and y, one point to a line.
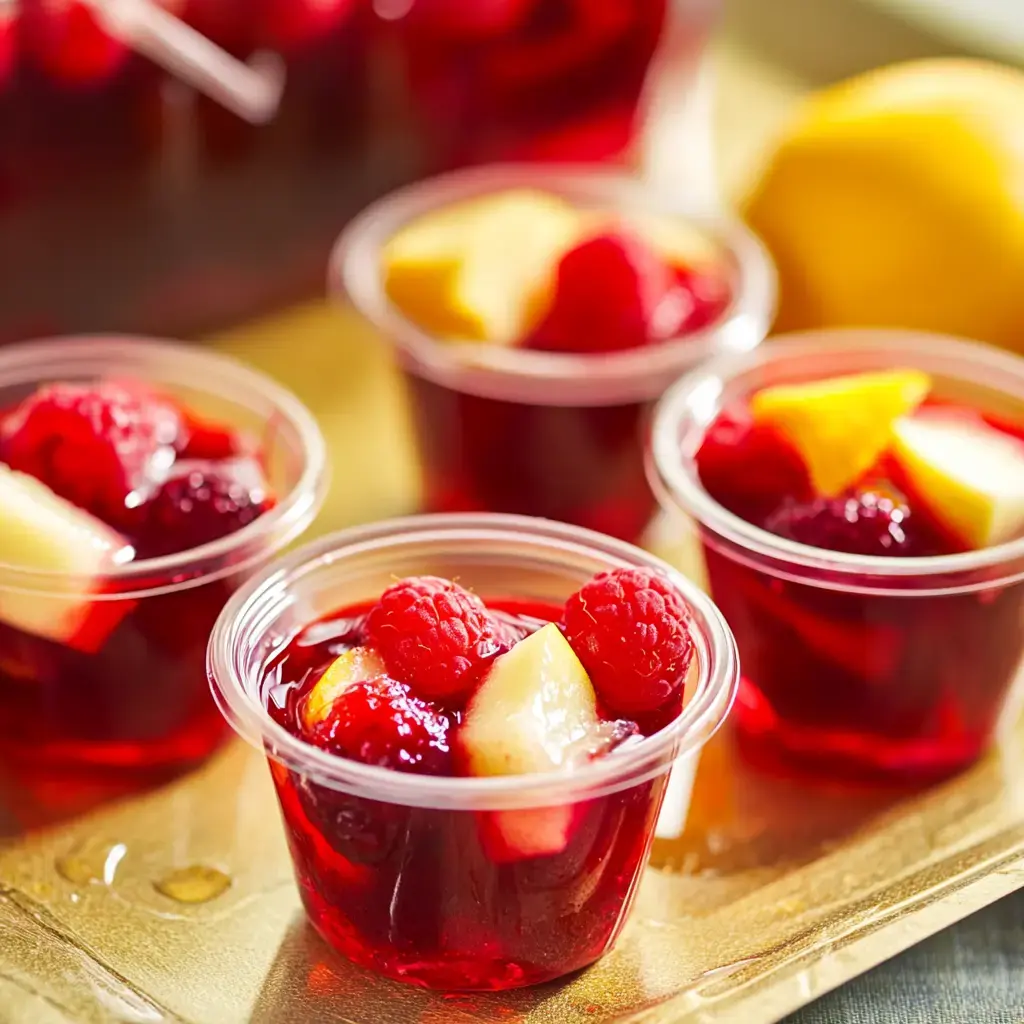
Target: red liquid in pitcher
102	146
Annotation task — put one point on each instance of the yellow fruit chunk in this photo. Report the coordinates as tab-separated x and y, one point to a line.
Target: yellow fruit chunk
535	711
356	665
419	266
40	531
472	270
842	425
970	475
534	708
894	199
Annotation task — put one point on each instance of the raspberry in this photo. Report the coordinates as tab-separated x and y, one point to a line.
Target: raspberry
709	297
201	502
630	630
749	467
92	444
434	635
379	722
867	522
611	293
201	440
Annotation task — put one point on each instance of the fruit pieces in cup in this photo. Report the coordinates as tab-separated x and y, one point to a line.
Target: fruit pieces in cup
469	793
860	499
140	481
537	313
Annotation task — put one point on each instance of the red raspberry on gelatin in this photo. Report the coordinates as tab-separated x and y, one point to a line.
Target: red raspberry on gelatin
750	467
94	444
867	522
379	722
201	502
611	293
434	635
630	630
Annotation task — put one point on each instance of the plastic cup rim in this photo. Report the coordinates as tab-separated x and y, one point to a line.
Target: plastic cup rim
679	489
200	369
699	720
514	374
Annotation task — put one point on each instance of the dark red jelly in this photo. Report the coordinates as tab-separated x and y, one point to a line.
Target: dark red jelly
136	710
844	674
121	689
437	897
577	464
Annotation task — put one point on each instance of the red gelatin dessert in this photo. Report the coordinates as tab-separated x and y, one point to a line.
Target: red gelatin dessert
538	315
376	94
123	519
871	575
459	776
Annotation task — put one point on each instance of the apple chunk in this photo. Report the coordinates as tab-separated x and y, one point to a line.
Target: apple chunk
41	532
969	475
534	712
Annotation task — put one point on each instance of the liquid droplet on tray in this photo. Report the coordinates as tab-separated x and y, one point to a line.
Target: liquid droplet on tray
91	862
197	883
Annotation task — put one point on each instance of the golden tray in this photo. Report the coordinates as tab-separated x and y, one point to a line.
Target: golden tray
179	907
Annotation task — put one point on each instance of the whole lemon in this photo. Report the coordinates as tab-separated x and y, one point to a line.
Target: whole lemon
897	199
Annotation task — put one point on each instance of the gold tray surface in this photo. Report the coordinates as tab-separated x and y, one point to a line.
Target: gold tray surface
772	896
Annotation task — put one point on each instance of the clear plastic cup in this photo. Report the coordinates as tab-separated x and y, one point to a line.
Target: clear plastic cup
137	704
867	668
508	429
394	868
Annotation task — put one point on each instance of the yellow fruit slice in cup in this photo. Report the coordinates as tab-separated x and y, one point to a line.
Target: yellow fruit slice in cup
968	474
471	271
841	425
